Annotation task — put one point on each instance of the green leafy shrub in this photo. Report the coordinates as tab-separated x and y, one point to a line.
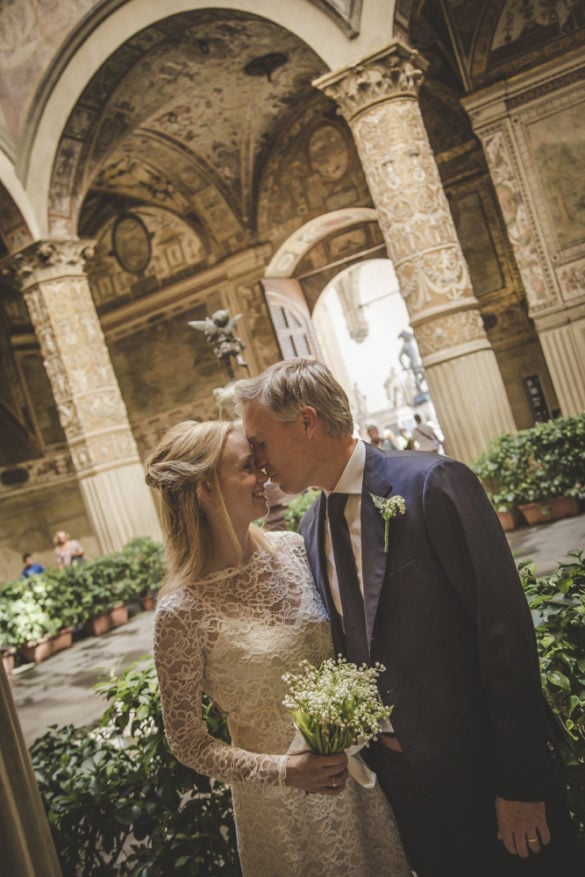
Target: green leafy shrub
117	800
32	608
297	506
558	606
534	465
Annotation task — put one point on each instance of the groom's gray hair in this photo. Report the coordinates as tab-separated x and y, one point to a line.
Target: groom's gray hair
285	387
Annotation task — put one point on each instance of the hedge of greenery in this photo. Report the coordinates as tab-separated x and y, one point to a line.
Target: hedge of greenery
45	603
534	465
117	800
558	606
297	506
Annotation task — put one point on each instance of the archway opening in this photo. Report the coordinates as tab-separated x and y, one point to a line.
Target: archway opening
362	328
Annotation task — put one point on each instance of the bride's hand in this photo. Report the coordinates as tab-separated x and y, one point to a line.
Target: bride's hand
325	774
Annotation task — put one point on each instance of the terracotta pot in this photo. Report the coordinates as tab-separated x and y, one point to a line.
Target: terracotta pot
63	639
36	651
107	620
550	509
119	615
148	603
509	519
8	660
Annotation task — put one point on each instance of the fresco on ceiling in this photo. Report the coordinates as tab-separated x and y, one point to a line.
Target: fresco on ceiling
530	21
201	81
165	365
31	31
557	144
313	169
139	252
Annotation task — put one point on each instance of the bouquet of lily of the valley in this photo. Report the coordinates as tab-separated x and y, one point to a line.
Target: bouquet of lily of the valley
336	706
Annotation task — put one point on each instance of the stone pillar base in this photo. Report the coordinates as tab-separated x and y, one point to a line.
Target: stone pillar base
120	506
474	405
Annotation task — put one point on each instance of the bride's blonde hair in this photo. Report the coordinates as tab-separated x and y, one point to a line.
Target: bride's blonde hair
189	455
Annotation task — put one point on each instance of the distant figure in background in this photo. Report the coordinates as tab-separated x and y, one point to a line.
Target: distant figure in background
389	440
67	550
387	443
374	435
425	437
30	568
407	439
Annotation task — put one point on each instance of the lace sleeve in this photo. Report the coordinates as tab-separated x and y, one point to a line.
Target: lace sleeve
179	660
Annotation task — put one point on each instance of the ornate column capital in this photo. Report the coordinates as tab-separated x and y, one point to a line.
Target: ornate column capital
47	260
392	72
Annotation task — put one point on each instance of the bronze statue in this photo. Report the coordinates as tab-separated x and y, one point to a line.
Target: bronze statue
414	364
218	331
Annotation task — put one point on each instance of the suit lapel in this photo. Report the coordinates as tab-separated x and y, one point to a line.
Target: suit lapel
374	558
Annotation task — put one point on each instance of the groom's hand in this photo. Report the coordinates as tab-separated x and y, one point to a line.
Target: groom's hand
522	826
324	774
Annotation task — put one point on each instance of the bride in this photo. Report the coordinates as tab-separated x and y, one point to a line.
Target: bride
239	609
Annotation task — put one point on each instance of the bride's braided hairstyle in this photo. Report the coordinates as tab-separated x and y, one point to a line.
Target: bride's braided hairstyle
188	455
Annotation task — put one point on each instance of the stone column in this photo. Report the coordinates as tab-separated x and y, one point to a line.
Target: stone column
52	279
379	99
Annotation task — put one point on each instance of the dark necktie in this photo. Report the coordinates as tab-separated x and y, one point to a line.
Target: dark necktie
349	587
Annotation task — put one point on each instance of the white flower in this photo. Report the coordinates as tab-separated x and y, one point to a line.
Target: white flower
336	705
389	508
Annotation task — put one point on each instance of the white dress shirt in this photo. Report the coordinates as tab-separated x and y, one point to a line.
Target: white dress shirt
350	482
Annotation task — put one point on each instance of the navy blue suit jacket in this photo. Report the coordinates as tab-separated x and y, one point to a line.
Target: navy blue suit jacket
447	617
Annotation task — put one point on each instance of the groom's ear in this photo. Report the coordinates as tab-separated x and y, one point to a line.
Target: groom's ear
309	418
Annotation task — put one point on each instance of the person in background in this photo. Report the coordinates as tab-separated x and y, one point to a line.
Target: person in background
389	440
67	550
374	435
407	440
425	437
30	568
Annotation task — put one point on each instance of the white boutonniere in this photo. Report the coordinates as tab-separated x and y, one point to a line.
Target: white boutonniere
390	508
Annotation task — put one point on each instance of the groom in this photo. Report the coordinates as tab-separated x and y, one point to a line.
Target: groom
469	764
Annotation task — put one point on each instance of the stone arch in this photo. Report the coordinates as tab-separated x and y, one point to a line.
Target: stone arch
295	248
17	224
103	31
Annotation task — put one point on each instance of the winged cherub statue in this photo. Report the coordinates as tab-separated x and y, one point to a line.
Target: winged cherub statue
218	331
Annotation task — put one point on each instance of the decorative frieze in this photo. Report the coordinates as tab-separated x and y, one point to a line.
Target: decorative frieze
451	331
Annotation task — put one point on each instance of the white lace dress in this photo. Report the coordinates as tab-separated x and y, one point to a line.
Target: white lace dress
233	635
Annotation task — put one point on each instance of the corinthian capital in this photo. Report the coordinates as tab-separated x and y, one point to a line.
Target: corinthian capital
394	71
46	260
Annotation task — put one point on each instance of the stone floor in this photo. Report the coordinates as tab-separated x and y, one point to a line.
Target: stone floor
59	690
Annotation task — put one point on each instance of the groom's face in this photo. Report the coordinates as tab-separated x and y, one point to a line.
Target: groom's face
281	449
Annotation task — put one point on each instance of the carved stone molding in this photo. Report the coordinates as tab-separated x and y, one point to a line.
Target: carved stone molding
54	468
450	331
46	260
394	71
517	216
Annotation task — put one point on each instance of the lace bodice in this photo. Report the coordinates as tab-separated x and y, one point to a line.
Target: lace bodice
232	635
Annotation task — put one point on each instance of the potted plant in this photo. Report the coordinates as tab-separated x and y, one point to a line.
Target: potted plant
146	570
552	474
540	471
496	468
